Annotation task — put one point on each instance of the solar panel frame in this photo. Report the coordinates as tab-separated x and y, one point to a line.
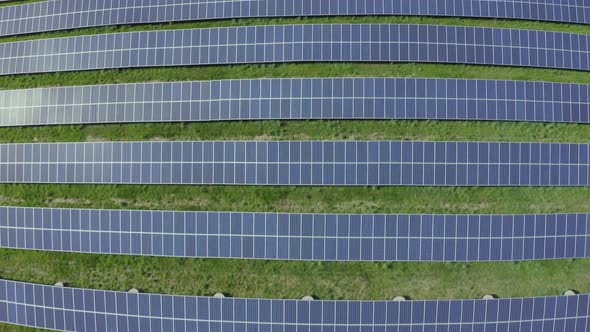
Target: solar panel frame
299	99
302	163
64	14
298	236
300	43
71	309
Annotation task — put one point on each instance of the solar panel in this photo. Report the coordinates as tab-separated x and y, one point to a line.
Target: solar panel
299	163
296	98
70	14
295	236
299	43
75	309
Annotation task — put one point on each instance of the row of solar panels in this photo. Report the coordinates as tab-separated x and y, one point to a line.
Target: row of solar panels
300	43
295	98
75	309
342	237
70	14
282	236
299	163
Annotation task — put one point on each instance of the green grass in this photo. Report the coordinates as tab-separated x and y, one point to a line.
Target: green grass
291	70
280	279
302	199
307	130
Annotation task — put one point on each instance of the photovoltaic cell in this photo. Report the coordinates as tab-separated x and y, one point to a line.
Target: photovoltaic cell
328	163
71	14
75	309
332	237
299	98
300	43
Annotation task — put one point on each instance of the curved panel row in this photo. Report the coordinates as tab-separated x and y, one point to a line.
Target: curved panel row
341	237
300	43
299	163
75	309
295	98
70	14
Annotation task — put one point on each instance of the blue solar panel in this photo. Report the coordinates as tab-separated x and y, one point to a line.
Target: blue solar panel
333	237
295	98
300	43
299	163
70	14
75	309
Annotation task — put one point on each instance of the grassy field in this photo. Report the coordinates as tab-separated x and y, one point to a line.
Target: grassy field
278	279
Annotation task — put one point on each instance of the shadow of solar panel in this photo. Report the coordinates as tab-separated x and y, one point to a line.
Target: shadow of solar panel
70	14
300	43
340	163
283	236
295	99
75	309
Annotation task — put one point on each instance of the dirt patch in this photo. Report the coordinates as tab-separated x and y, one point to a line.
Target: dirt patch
424	137
555	206
467	207
54	202
159	138
91	138
267	137
10	200
264	137
357	205
168	203
295	206
119	201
